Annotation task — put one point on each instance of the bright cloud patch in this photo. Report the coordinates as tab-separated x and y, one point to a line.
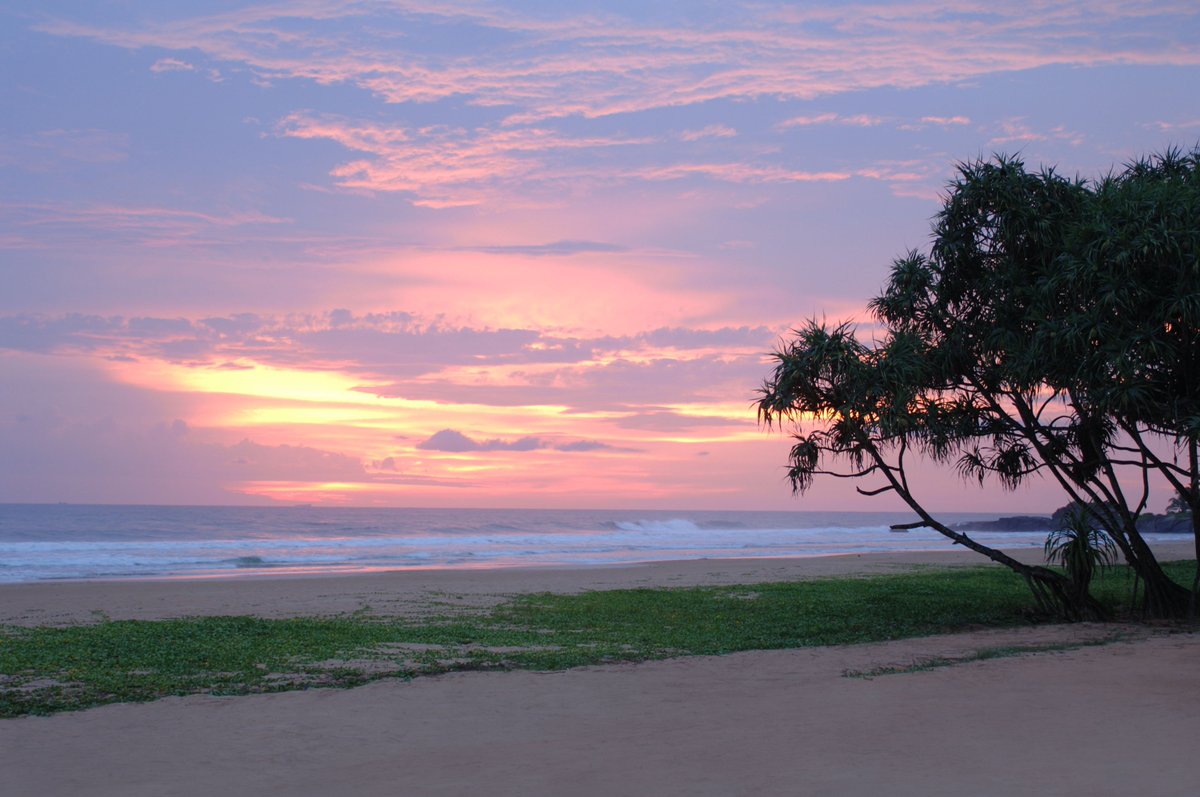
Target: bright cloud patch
171	65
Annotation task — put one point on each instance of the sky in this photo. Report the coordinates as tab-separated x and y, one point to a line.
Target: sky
519	254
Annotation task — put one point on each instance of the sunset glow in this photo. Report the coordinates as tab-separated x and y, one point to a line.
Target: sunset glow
496	254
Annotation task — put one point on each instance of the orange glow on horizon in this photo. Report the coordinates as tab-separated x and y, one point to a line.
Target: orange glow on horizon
324	410
247	379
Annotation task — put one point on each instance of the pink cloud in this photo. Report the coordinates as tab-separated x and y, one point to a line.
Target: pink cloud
594	66
1166	127
1017	131
711	131
561	63
454	167
855	120
171	65
429	161
807	121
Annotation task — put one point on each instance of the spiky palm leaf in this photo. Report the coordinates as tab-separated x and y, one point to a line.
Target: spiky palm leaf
1081	549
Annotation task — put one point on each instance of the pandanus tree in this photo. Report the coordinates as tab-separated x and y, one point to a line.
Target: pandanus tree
1052	330
1081	549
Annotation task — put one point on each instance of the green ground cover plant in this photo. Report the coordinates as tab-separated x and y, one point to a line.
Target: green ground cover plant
49	669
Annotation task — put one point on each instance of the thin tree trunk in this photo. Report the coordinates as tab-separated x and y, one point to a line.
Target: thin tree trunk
1163	598
1055	594
1193	502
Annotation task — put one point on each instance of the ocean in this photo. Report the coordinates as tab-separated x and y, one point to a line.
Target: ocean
40	542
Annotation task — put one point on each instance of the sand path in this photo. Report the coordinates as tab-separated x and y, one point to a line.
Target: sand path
1113	720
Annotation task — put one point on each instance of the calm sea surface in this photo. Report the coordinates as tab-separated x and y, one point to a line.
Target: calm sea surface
42	542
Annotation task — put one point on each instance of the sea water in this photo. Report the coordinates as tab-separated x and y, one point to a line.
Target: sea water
42	542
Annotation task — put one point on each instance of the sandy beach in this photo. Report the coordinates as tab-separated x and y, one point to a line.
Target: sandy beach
774	722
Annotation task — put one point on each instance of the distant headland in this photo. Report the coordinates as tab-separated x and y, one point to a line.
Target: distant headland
1148	523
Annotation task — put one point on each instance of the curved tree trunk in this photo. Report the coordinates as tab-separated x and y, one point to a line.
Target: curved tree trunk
1162	598
1192	599
1056	595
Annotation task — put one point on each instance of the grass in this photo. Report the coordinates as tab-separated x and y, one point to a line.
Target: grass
47	669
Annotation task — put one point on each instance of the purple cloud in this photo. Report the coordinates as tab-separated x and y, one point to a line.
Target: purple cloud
455	442
452	441
592	445
667	421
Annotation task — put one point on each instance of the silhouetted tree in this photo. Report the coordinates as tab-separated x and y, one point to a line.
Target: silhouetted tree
1081	549
1053	329
1178	506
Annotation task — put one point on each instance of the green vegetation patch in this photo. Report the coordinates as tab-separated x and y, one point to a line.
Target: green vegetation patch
649	623
48	669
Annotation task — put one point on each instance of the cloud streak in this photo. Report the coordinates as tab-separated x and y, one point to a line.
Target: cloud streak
396	355
558	66
59	149
551	67
63	222
855	120
171	65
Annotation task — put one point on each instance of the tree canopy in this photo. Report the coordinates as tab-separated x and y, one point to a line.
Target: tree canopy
1053	329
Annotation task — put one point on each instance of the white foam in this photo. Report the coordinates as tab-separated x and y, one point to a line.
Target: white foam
105	542
675	525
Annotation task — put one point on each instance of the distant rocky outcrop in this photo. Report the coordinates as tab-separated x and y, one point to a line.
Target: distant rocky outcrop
1148	523
1178	523
1015	523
